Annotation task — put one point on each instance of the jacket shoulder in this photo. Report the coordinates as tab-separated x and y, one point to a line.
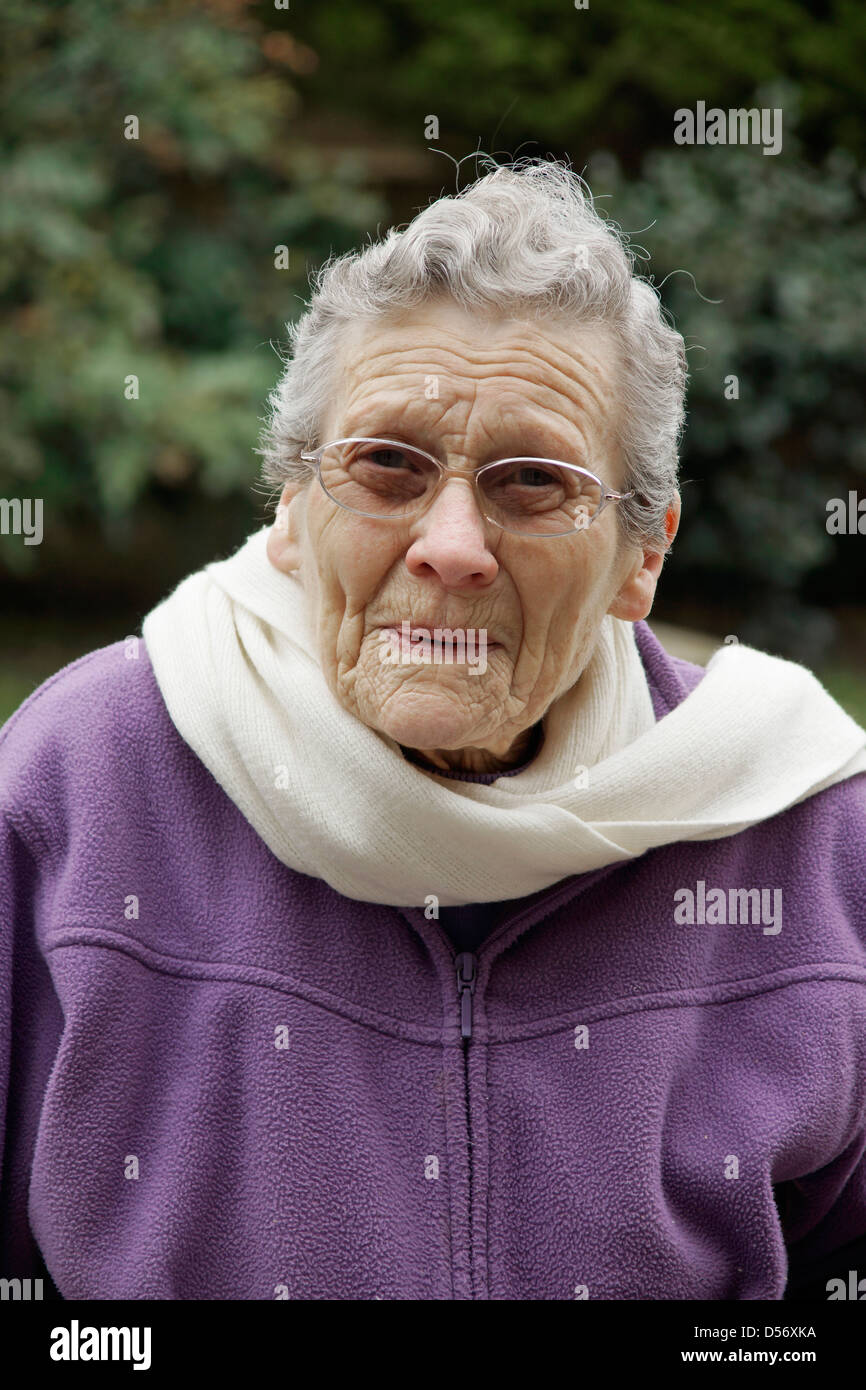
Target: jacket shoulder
84	725
670	678
839	830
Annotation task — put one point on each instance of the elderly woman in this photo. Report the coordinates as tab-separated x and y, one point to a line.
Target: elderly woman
399	920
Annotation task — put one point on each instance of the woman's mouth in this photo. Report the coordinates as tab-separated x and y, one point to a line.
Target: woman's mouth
418	644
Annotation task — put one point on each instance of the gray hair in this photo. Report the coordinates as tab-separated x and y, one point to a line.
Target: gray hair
523	240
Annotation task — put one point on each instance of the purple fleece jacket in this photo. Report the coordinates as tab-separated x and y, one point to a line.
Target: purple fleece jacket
221	1079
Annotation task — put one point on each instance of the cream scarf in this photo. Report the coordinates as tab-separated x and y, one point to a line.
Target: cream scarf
235	660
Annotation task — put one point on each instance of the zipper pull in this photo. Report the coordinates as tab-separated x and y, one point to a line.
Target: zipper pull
466	973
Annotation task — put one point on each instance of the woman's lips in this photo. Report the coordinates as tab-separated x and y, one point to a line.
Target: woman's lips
413	645
422	633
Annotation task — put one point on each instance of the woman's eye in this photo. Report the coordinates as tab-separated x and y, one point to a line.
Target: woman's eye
533	477
388	458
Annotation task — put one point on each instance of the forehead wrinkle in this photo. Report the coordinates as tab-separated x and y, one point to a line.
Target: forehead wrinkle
404	338
476	364
387	402
543	414
560	334
586	383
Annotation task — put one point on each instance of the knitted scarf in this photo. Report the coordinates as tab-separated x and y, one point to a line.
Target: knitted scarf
233	653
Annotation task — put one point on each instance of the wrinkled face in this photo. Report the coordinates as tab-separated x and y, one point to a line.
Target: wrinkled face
503	388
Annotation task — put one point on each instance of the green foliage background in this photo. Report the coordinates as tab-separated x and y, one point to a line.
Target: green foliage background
304	127
152	257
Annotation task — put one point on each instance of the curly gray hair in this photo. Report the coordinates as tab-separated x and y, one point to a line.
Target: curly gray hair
523	240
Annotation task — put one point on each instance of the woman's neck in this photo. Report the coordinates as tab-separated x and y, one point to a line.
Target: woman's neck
479	760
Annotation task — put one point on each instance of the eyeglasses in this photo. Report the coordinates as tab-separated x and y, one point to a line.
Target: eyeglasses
391	481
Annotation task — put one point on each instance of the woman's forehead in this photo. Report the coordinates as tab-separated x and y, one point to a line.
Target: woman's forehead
436	360
471	343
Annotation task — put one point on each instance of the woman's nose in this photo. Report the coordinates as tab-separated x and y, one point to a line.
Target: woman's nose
451	540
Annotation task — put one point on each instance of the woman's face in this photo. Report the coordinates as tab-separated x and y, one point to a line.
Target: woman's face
468	390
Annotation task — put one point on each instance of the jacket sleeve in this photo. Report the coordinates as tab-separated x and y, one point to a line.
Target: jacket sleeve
31	1021
7	937
823	1214
45	761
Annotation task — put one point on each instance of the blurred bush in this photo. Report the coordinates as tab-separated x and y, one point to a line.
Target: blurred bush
152	257
781	246
578	79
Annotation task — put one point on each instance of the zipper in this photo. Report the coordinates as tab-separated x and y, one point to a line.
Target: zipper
467	972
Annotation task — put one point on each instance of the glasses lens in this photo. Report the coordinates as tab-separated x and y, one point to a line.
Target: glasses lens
375	477
539	498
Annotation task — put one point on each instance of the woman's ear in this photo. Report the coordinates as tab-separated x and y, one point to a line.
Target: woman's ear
284	538
635	598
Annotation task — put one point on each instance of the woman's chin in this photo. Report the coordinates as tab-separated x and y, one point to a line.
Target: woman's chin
428	720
